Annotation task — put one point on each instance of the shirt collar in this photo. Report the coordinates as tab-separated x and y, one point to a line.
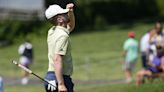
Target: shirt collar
63	28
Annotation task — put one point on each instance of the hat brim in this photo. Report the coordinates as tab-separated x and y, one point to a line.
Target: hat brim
64	11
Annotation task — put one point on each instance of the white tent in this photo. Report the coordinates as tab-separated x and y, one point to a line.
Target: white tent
23	7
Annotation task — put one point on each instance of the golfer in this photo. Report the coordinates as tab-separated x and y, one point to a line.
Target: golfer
60	66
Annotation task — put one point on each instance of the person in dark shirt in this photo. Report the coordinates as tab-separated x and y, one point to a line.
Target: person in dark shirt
26	57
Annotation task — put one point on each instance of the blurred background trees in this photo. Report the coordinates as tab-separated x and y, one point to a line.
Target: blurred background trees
95	14
100	12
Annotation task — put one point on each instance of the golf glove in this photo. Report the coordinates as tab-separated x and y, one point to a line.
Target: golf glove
50	87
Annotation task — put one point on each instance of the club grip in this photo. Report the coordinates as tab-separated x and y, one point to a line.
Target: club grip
21	66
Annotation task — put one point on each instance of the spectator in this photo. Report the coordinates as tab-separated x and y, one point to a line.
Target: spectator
155	67
26	57
1	84
144	47
159	37
130	54
155	55
156	39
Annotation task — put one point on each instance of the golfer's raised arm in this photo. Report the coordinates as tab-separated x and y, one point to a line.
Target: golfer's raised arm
71	24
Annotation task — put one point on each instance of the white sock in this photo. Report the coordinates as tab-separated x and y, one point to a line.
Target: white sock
24	81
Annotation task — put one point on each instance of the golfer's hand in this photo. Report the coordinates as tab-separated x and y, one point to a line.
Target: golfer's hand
50	87
70	6
62	88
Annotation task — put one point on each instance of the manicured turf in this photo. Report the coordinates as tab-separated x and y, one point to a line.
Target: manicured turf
96	55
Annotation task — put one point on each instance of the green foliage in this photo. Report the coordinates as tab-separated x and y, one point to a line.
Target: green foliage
91	14
116	11
96	13
10	30
160	4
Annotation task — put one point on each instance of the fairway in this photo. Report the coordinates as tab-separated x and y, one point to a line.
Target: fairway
96	56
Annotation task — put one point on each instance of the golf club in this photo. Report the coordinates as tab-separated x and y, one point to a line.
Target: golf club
29	71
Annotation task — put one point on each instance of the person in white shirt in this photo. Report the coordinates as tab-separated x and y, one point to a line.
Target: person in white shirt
26	57
145	46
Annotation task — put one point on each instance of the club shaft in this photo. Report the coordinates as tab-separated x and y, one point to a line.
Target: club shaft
42	79
31	72
24	68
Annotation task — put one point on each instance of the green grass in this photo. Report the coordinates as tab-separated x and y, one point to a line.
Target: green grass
156	86
96	55
20	88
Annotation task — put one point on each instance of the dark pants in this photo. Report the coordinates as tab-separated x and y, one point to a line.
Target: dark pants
144	60
67	81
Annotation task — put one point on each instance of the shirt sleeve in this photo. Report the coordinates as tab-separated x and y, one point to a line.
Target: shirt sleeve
62	45
21	49
125	47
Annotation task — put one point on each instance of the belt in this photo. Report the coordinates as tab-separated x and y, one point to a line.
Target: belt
52	72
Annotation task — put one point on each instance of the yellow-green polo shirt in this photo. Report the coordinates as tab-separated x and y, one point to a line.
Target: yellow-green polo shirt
59	43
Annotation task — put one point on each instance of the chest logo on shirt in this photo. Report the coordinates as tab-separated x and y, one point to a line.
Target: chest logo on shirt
61	49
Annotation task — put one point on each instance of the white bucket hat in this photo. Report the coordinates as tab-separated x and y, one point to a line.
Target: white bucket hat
54	10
